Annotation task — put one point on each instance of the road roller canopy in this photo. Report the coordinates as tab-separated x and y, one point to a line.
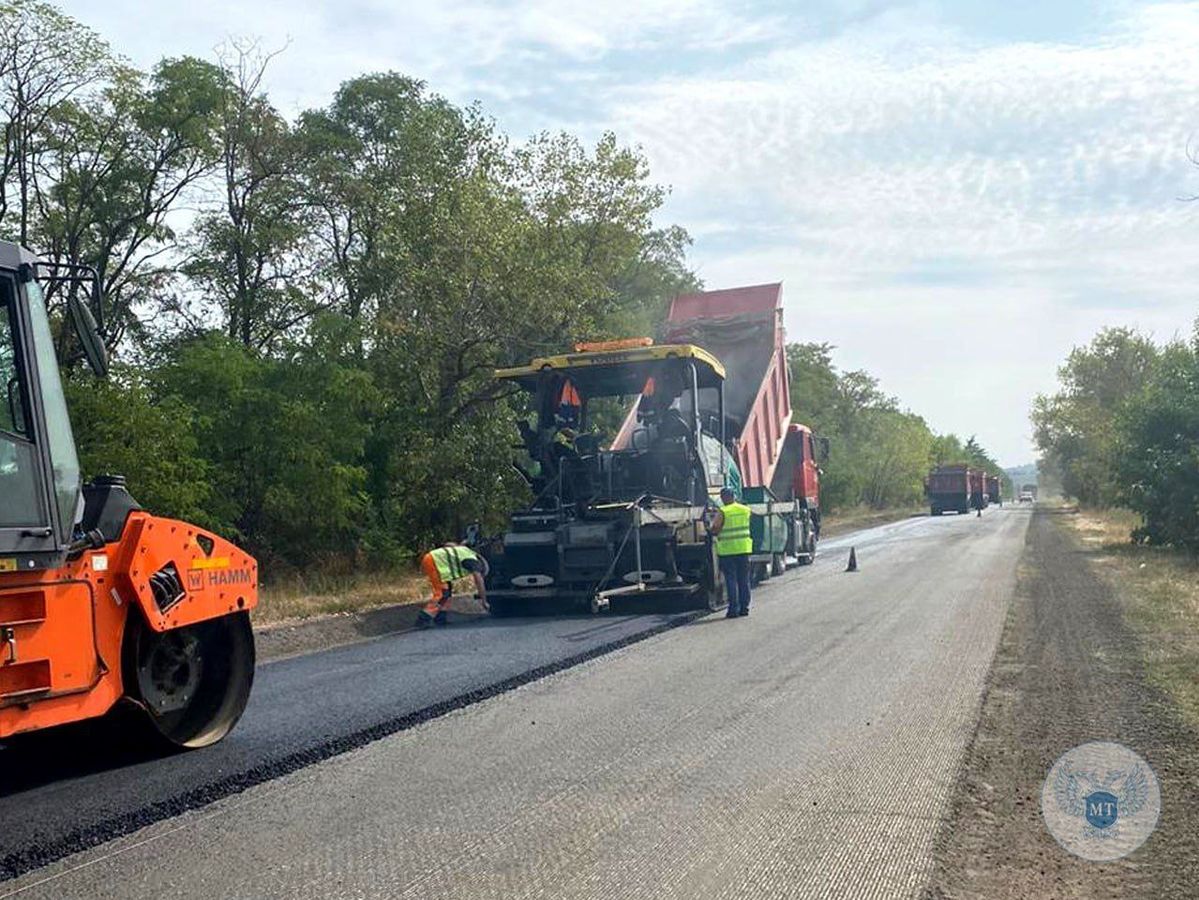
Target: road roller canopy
618	372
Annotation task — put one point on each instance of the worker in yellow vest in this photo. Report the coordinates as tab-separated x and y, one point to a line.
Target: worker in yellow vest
734	544
443	567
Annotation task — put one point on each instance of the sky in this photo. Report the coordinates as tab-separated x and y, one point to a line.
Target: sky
954	192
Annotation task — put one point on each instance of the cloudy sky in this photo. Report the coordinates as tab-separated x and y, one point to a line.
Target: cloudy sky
954	192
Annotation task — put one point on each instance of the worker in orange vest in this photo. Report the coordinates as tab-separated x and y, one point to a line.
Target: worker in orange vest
570	405
443	566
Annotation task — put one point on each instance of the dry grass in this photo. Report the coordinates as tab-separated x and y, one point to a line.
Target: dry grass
1160	590
322	595
858	517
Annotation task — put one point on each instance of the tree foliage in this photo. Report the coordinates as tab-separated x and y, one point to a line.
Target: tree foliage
1074	427
1123	428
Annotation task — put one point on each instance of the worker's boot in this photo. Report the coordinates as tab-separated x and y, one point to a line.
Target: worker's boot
424	620
441	618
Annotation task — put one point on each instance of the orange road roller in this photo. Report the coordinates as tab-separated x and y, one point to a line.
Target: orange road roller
101	603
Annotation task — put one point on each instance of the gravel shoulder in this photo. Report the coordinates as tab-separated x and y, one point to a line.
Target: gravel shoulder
1068	670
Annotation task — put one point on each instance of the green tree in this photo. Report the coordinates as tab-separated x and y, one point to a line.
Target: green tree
253	255
1157	450
284	439
47	59
118	163
123	427
1074	428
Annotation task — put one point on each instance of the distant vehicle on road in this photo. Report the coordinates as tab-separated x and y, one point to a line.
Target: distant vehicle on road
994	490
948	487
1026	496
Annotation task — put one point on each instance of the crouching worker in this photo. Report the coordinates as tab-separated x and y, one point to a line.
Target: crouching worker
443	567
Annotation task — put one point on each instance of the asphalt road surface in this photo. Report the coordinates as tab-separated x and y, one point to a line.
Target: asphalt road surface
808	750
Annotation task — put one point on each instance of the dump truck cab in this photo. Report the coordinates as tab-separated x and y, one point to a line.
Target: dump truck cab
607	518
99	600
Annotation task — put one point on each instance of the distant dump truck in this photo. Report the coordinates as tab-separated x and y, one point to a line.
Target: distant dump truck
948	488
994	490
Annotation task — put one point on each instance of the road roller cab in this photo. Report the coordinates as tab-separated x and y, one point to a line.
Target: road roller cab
100	601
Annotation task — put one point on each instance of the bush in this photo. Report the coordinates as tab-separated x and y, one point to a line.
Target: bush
1158	467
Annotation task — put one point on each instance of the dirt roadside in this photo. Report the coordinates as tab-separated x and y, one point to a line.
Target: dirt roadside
1068	670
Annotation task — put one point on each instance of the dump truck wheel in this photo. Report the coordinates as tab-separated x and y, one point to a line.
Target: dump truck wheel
193	682
809	549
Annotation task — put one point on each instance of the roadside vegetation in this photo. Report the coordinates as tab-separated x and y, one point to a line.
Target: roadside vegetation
1121	437
1123	431
305	312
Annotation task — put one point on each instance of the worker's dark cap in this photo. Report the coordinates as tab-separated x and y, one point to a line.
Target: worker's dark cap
728	494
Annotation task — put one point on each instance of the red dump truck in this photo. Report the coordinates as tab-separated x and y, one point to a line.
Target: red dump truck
776	458
949	487
959	487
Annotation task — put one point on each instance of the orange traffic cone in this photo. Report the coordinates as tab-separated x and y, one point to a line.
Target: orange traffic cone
853	560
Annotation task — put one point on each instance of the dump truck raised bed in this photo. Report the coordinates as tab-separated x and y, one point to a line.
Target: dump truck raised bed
948	488
623	521
100	601
776	473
